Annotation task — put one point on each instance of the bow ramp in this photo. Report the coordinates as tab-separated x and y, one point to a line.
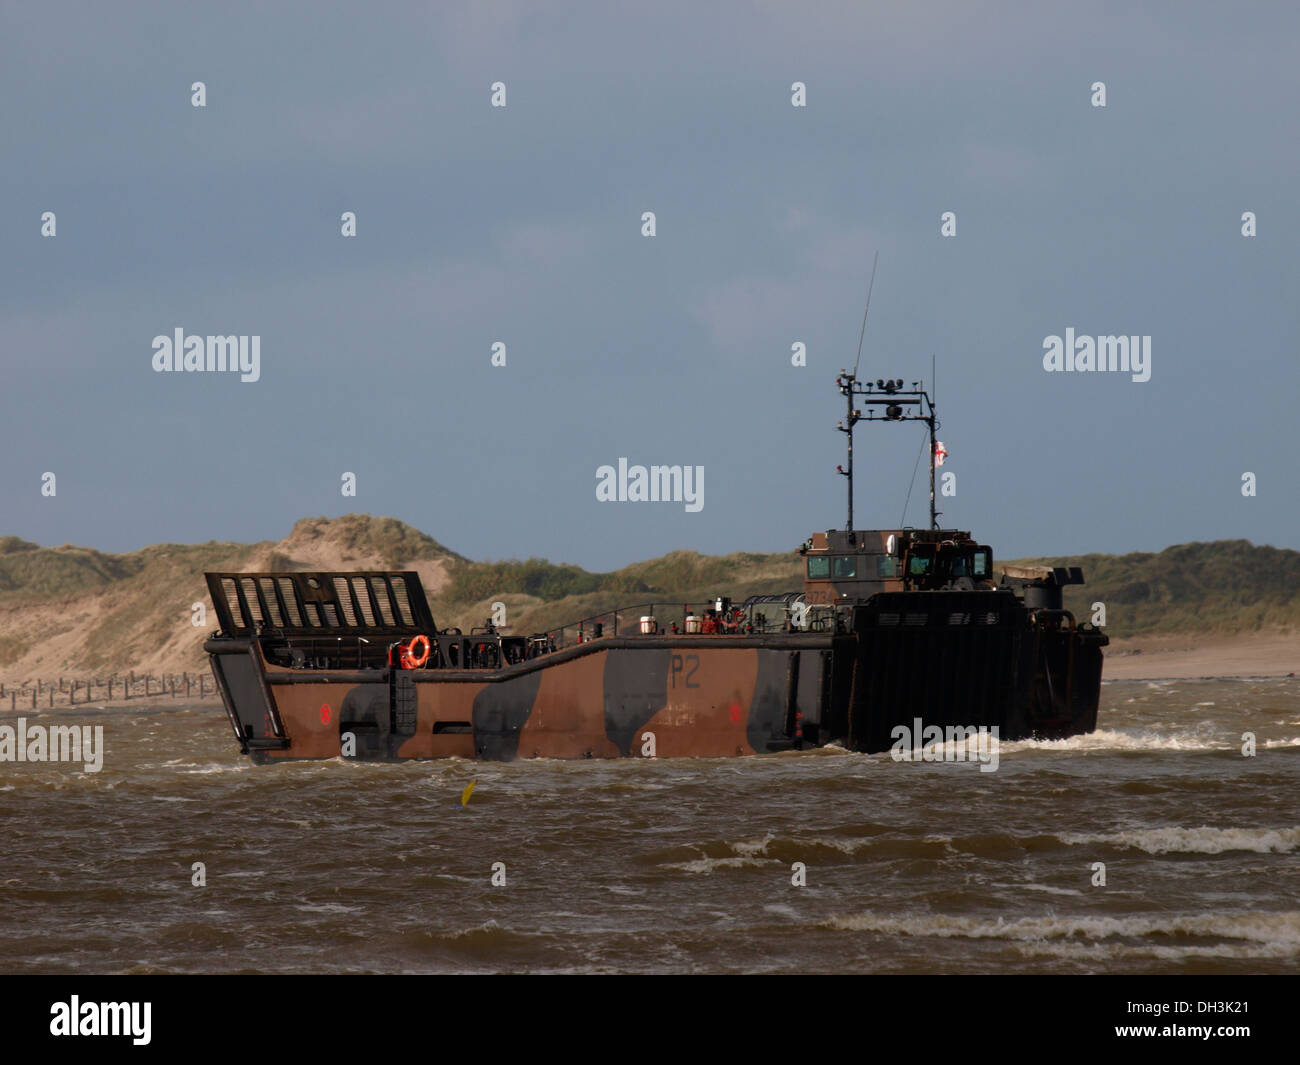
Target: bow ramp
304	624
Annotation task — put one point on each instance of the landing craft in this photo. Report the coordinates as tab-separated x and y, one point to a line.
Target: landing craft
892	625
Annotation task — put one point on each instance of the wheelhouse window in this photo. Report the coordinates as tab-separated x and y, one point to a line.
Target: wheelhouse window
982	563
845	567
886	566
918	565
819	567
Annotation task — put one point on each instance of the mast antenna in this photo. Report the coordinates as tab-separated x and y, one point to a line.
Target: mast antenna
863	331
886	400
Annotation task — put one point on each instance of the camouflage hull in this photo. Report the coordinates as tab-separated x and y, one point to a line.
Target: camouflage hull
684	696
602	699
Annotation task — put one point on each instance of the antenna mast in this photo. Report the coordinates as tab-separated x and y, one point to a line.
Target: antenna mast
899	406
886	401
863	331
847	425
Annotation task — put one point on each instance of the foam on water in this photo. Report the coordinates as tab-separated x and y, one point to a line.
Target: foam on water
1276	928
1090	952
1201	737
1045	888
708	865
1201	840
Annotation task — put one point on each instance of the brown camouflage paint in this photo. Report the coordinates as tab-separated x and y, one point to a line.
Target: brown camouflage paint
703	711
567	719
708	718
309	714
442	702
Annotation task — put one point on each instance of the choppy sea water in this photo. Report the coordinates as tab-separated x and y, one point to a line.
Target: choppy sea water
670	865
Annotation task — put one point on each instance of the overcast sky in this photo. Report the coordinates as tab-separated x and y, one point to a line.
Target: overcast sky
523	225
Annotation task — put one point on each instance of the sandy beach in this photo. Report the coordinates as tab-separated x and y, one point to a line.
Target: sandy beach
1264	654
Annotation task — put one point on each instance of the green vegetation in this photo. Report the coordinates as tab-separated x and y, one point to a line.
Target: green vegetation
536	577
1226	586
37	573
13	648
12	544
561	594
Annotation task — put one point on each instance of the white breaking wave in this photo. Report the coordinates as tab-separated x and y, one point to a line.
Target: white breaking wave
1046	888
1092	951
326	907
1281	930
1201	738
1202	840
752	848
707	865
753	852
213	767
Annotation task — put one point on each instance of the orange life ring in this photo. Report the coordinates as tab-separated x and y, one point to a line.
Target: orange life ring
409	660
